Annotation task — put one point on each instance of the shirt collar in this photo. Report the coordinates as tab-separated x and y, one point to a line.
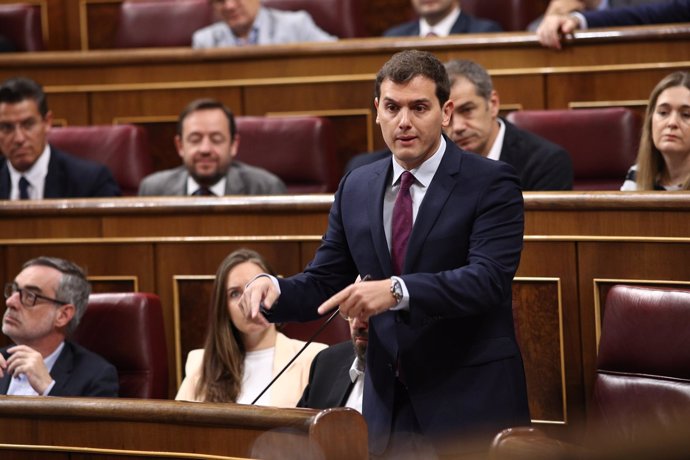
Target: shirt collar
218	188
36	174
495	152
442	29
356	370
51	358
425	172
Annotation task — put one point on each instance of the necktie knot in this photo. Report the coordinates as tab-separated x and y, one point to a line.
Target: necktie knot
23	188
203	191
406	181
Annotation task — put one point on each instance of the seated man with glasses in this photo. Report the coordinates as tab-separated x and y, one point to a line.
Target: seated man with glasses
34	169
44	305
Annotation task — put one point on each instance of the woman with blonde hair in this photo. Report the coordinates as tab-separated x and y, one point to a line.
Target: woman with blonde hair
663	159
240	357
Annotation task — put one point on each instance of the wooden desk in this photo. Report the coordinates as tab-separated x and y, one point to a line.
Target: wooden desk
150	86
577	245
69	428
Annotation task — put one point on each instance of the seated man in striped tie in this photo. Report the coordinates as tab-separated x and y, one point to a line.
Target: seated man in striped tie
33	169
207	142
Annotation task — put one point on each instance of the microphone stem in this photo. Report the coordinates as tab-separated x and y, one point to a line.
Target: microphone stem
311	339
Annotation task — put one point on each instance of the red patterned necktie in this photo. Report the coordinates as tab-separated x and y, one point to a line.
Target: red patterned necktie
401	222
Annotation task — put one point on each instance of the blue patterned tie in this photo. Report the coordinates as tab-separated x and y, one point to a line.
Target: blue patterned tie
23	188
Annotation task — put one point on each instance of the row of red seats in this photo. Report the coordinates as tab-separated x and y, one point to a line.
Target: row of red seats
127	330
302	152
140	22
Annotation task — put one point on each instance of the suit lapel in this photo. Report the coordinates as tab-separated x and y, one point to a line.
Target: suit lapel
4	182
55	179
461	26
62	369
5	380
377	188
435	198
340	393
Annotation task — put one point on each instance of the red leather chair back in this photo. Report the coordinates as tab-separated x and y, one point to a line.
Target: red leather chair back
124	149
161	23
21	24
299	150
643	366
127	330
510	14
342	18
602	142
338	330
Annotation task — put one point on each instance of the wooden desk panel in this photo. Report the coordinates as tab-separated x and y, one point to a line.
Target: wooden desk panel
136	428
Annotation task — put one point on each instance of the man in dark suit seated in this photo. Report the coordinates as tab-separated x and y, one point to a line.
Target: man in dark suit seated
441	18
207	141
476	126
6	45
336	377
35	170
45	303
556	26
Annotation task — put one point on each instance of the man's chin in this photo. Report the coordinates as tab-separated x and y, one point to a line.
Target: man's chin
208	179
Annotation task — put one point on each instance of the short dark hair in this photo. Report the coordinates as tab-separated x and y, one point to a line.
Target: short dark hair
474	73
408	64
17	89
73	287
207	104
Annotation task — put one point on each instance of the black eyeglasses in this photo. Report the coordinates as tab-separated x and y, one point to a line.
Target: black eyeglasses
26	297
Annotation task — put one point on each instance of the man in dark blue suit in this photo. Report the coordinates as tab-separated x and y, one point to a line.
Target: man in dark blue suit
44	305
439	231
336	376
556	26
441	18
33	169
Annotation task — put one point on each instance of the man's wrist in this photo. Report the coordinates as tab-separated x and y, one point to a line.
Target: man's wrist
396	291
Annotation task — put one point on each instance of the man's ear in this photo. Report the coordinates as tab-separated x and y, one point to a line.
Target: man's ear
447	110
376	105
178	145
494	104
235	145
64	315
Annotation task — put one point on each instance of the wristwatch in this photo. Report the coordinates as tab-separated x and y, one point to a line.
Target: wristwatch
396	290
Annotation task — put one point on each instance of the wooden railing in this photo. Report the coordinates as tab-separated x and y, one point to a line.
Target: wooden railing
68	428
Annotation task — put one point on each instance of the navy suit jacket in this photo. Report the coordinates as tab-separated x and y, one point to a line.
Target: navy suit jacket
456	345
69	177
329	377
77	372
465	24
655	13
540	164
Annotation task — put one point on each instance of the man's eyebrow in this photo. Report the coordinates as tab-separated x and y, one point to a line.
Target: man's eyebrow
30	287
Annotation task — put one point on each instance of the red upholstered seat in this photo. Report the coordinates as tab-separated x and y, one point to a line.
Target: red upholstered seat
640	401
299	150
21	24
124	149
602	142
510	14
127	330
342	18
161	23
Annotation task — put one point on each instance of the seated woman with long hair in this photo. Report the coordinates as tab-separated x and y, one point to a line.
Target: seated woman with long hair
241	357
663	160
